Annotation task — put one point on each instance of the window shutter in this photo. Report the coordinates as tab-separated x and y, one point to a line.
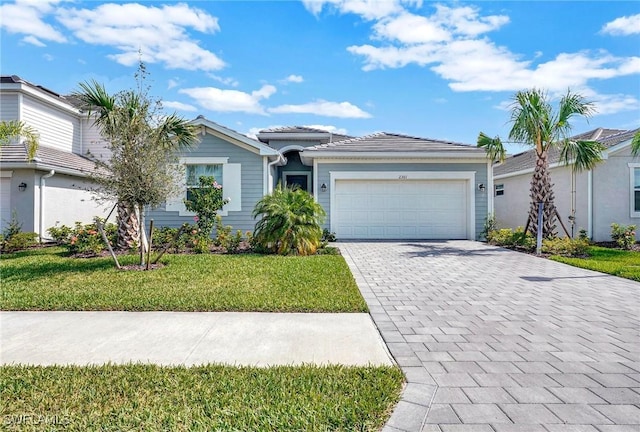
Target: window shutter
232	186
176	203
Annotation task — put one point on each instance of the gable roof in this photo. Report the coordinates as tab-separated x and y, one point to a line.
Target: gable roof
390	144
262	149
300	133
526	160
15	156
15	83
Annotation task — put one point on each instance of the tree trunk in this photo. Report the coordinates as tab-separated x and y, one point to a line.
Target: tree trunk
128	226
542	192
143	234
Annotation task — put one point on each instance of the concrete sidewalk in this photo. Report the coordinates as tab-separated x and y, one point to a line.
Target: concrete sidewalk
190	338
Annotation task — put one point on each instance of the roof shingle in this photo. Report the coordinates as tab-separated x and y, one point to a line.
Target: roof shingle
46	157
526	160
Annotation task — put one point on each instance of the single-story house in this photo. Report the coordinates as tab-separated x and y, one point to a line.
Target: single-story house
590	200
52	189
381	186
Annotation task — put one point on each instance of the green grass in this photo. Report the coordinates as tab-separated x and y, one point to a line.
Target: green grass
207	398
616	262
46	279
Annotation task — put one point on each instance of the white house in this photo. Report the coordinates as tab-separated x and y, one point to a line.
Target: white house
590	200
53	188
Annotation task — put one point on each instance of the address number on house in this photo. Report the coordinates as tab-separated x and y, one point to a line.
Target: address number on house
402	177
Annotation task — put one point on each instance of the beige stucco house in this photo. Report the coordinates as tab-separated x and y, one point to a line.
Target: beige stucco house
590	200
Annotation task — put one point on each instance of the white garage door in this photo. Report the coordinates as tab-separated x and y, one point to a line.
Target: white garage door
400	209
5	202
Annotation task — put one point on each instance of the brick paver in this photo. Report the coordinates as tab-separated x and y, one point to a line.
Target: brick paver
495	340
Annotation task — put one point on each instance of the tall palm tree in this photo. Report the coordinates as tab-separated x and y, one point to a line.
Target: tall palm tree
535	123
635	144
10	130
129	121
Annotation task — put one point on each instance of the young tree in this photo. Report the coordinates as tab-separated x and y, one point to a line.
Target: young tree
535	123
10	130
142	169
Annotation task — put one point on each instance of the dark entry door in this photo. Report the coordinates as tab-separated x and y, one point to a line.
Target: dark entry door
298	179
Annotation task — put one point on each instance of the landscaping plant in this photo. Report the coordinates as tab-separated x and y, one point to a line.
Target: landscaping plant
14	239
535	123
83	238
565	246
625	236
290	222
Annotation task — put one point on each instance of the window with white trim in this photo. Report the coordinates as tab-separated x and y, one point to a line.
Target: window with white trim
635	191
195	171
499	188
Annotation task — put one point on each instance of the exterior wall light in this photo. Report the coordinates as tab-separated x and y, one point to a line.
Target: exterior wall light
22	187
323	188
481	187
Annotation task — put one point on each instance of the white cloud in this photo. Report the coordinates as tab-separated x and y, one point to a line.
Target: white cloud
323	108
294	79
33	41
228	81
179	106
329	128
172	83
27	17
623	26
220	100
452	41
367	9
253	132
159	33
47	57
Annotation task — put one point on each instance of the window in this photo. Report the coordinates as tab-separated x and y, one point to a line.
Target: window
499	189
636	189
195	171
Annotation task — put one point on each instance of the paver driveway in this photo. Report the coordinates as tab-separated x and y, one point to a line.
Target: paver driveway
495	340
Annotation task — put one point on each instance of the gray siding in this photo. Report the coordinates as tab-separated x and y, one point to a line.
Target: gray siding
480	169
252	184
56	128
9	107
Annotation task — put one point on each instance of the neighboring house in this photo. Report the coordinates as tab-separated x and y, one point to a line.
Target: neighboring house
382	186
590	200
53	188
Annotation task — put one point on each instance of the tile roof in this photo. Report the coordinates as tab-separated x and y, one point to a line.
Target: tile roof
384	142
305	130
526	160
46	157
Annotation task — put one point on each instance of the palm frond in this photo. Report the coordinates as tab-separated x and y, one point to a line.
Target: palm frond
635	144
493	147
15	129
175	132
581	155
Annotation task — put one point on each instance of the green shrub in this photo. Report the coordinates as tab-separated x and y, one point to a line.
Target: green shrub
625	236
583	234
328	250
19	241
83	238
328	236
290	222
205	201
513	239
565	246
489	226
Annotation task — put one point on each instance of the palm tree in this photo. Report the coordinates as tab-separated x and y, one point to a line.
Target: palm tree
10	130
290	222
635	144
129	121
535	123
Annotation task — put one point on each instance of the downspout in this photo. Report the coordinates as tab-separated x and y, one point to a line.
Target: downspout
280	159
43	179
590	204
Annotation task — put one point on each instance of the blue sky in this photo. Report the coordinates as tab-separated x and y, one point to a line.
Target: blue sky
433	69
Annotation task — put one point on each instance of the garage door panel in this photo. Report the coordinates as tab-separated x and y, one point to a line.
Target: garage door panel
400	209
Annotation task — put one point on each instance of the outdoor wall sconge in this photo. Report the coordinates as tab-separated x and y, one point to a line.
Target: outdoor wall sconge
481	187
22	187
323	188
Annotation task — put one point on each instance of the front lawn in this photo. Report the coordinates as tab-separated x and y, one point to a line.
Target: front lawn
46	279
616	262
205	398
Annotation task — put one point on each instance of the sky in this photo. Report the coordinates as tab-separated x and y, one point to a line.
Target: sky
443	70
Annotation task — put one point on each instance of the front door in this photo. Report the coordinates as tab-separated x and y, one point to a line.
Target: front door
301	180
